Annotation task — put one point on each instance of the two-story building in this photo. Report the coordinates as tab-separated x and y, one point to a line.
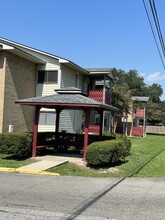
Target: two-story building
28	72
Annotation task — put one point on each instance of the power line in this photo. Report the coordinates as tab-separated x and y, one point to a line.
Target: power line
152	29
157	24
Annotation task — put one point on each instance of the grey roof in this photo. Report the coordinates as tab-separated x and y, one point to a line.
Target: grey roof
100	72
70	90
22	46
140	98
67	101
99	69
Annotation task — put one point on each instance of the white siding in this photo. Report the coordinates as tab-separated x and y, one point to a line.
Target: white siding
71	120
48	88
66	120
81	81
68	76
78	120
46	128
43	57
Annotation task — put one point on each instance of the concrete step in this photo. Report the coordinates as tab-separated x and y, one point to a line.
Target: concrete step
44	164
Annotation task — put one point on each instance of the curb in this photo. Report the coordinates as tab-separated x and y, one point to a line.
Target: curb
19	170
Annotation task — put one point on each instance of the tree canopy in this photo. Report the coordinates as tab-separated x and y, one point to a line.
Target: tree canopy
128	84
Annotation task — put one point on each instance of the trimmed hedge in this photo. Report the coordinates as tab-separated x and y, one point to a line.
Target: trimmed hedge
49	137
108	152
18	145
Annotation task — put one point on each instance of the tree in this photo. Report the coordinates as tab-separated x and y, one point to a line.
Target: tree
153	112
155	91
135	83
121	96
131	84
162	104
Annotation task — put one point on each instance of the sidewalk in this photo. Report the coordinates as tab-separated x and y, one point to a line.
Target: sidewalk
46	162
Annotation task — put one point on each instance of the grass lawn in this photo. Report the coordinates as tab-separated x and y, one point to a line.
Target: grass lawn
147	159
6	162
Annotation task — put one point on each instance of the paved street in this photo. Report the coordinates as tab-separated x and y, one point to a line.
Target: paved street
24	196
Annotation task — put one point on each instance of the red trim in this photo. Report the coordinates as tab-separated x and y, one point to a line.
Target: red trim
140	113
101	124
37	111
137	131
96	95
58	111
86	126
94	128
59	107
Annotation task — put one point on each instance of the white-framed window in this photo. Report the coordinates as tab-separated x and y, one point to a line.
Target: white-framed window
97	119
47	76
47	118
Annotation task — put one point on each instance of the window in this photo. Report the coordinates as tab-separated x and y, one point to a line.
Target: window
97	119
47	118
47	76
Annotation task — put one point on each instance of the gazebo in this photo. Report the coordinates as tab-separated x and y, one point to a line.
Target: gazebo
66	98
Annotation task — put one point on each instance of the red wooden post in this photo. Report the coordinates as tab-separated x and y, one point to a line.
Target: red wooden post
86	126
35	131
58	111
101	125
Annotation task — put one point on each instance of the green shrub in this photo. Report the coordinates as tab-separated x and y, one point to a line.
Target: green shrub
18	145
108	152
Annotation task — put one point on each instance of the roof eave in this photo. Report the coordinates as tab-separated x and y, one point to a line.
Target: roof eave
65	105
61	60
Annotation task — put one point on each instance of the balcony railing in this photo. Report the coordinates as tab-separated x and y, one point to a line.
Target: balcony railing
94	129
139	113
137	131
100	96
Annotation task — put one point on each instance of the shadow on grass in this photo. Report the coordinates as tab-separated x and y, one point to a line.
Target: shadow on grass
107	166
156	134
11	157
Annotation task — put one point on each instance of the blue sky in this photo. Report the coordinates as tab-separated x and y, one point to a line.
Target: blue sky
91	33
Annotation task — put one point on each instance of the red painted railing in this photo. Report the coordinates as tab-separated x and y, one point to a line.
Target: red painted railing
100	96
94	128
139	113
96	95
137	131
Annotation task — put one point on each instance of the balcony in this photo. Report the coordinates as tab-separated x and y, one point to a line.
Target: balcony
140	113
100	96
137	131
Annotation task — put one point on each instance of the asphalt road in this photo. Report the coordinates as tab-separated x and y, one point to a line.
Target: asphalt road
28	197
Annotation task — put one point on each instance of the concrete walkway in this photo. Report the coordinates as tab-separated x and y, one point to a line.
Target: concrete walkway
45	162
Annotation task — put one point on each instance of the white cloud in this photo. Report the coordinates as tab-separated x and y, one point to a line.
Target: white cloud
155	77
142	74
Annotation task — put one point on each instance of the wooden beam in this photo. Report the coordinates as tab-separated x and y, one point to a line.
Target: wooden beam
86	126
58	111
101	125
35	130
